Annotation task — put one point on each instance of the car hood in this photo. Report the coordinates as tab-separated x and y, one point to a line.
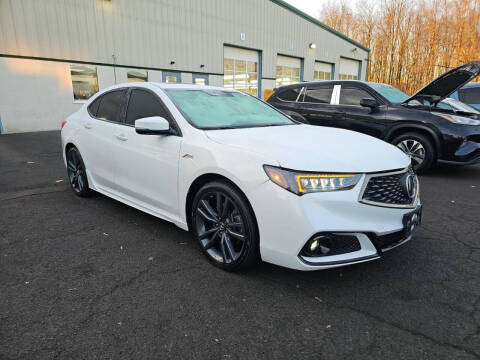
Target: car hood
315	148
447	83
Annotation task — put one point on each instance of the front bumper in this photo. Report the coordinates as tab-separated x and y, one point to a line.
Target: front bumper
287	221
461	145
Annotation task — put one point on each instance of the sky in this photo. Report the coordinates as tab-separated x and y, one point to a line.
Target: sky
312	7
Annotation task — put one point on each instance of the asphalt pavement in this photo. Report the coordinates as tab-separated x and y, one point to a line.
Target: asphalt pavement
95	279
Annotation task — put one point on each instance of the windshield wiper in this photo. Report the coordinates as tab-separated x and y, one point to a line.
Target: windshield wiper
244	127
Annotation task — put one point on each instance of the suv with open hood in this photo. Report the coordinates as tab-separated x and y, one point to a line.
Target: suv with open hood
419	125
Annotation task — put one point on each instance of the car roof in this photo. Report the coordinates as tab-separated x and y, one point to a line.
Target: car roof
189	86
165	86
306	83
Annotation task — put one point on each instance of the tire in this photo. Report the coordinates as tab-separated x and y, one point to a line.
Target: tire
419	148
225	227
77	175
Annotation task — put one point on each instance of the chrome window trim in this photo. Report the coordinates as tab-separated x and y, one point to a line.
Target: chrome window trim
300	93
413	205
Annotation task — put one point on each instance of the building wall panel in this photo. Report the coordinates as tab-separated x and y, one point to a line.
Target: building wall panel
149	34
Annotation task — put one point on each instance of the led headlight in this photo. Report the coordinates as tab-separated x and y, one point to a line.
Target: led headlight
459	119
305	182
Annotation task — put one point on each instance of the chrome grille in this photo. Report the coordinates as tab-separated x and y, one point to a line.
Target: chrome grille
391	189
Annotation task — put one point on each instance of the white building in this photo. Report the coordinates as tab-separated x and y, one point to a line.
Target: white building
55	54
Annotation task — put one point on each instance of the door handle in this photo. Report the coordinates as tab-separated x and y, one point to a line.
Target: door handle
87	125
121	137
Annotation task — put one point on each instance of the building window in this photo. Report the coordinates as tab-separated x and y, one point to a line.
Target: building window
321	75
287	75
347	77
137	76
200	79
241	75
171	77
288	70
322	71
84	81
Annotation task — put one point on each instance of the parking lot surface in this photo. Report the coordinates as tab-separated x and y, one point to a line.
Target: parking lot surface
95	279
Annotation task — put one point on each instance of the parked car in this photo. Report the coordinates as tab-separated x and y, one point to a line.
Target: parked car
469	94
249	182
459	108
424	131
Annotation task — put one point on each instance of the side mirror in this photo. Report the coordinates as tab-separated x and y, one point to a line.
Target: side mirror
154	125
369	102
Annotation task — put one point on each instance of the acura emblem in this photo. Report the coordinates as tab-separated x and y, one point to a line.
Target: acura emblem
410	186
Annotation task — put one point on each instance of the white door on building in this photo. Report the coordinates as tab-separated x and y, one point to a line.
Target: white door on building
322	71
349	69
240	69
288	70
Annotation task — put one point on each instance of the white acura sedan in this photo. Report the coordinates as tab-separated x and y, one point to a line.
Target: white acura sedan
248	181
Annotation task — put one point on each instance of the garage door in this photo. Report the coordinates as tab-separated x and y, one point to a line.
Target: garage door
288	70
240	69
322	71
348	69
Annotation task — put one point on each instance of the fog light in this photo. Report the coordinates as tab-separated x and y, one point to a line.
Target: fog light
314	245
325	243
328	244
318	246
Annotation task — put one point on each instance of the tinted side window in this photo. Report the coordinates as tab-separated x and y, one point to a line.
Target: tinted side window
470	96
144	104
93	107
320	95
352	96
289	94
111	105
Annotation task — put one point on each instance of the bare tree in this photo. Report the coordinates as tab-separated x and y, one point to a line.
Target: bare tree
411	41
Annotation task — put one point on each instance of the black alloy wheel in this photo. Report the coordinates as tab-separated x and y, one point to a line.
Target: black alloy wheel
225	227
77	175
419	148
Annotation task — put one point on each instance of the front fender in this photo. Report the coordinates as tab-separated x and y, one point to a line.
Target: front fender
407	126
244	169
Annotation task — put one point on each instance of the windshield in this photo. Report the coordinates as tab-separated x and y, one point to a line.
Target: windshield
390	93
218	109
459	106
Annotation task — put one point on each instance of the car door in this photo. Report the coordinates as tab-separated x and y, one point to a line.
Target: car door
366	120
148	164
317	107
97	137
